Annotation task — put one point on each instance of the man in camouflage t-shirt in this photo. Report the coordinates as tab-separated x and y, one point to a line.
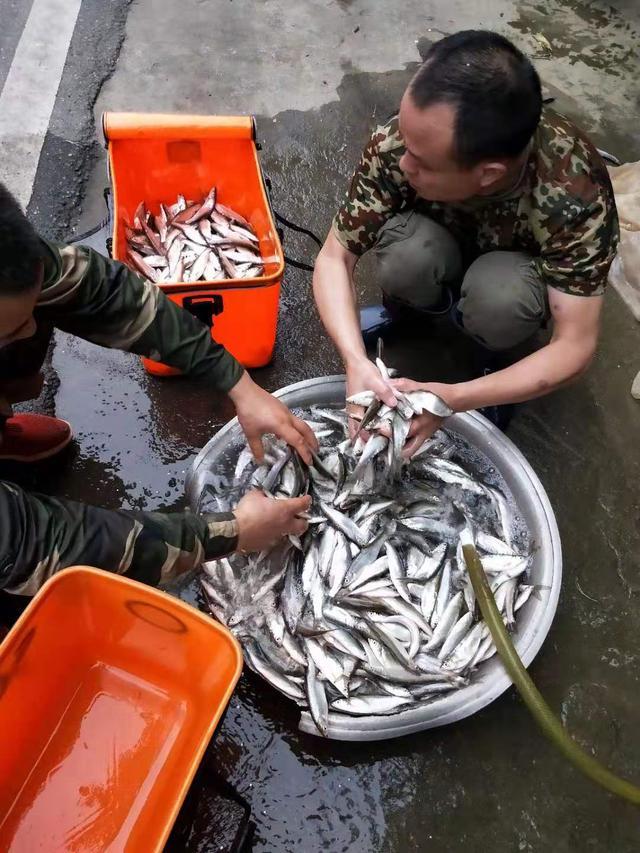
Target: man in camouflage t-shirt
482	206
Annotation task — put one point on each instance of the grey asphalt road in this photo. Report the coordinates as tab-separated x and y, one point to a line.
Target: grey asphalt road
318	75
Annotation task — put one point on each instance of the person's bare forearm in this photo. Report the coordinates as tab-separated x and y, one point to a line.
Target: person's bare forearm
335	297
544	371
575	337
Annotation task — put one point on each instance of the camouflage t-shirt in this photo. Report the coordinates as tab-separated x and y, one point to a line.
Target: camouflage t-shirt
562	211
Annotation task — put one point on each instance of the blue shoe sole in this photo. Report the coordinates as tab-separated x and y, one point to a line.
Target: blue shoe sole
375	320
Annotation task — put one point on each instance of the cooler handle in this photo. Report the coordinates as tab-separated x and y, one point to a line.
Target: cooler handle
204	308
175	126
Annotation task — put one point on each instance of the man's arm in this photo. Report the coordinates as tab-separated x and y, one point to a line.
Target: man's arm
377	190
335	295
40	535
105	302
562	360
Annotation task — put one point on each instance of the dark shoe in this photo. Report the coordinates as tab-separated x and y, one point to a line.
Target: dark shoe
404	312
393	314
487	362
499	416
33	438
375	320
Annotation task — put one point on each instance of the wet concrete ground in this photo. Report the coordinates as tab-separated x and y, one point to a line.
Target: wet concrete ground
320	75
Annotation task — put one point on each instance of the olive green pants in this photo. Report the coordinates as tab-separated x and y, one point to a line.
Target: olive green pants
502	301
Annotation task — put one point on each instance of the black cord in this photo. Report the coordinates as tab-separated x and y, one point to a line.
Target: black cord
78	238
288	224
300	265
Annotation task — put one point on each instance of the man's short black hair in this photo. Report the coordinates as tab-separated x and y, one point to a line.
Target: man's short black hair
493	87
20	248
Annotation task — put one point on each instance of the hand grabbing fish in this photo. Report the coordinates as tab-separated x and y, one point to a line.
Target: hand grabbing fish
367	390
261	413
263	521
417	412
425	423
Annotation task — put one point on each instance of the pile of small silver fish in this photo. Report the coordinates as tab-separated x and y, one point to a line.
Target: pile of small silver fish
372	611
192	241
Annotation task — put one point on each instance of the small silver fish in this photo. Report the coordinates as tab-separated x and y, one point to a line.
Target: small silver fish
397	573
343	523
317	698
232	251
374	613
365	705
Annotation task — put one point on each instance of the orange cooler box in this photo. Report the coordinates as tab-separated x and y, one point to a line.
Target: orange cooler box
153	158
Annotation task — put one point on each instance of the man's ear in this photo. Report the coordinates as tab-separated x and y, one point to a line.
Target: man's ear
491	173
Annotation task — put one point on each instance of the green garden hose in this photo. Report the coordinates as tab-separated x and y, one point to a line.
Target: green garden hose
548	722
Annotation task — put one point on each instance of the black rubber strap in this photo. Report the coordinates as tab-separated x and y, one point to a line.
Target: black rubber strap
288	224
78	238
300	265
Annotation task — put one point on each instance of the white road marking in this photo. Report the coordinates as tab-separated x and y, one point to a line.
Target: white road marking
29	93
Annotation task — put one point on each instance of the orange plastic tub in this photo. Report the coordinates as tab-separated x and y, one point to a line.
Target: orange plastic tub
109	694
152	158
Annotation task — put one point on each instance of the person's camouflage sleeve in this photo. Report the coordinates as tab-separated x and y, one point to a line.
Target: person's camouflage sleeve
375	192
577	221
41	535
106	303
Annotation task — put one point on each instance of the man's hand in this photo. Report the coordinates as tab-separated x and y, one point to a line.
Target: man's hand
262	521
363	375
260	413
422	426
